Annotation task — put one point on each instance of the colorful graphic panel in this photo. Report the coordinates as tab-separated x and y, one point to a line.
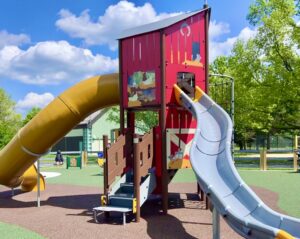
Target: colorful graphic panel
141	88
178	147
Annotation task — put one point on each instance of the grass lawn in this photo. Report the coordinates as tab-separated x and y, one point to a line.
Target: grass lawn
12	232
87	176
284	182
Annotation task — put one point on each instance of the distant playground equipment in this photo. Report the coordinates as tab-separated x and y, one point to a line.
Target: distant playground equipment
74	161
100	159
77	161
163	68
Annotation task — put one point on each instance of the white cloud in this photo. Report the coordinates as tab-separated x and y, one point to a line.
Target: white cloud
51	63
223	48
34	100
106	28
7	39
217	29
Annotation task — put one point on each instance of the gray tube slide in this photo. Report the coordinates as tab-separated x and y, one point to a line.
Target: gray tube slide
212	163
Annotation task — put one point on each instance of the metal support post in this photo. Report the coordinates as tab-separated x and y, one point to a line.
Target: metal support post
137	178
216	224
124	218
296	154
38	184
105	170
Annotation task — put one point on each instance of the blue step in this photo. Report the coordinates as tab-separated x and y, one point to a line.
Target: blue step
123	195
129	177
126	188
119	201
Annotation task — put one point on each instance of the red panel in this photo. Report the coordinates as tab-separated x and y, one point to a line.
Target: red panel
138	64
185	33
158	160
141	54
186	121
179	43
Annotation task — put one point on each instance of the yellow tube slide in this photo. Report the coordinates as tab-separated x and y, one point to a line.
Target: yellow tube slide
29	180
51	124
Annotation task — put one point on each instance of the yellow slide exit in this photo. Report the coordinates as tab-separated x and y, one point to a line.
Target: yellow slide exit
50	125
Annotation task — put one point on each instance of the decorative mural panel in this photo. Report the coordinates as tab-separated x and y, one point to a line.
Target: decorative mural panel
141	70
141	88
191	58
178	147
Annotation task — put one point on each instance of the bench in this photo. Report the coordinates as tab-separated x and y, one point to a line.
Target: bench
111	209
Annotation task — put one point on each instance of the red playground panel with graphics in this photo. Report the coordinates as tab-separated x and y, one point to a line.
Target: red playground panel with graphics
153	58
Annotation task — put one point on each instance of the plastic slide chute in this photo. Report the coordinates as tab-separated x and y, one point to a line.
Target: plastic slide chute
50	125
211	160
30	180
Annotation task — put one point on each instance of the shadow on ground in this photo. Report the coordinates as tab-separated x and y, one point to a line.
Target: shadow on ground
71	202
158	224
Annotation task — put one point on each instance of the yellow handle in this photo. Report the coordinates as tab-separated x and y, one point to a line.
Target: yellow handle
134	203
198	94
103	200
284	235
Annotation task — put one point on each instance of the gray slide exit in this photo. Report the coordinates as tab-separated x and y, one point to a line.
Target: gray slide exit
211	159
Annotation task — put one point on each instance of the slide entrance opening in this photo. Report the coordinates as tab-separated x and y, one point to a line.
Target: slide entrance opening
186	82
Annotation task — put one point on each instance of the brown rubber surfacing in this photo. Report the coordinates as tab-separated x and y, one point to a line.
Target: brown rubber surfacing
66	212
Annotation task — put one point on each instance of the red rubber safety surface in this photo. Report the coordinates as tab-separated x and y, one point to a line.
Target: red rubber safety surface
66	212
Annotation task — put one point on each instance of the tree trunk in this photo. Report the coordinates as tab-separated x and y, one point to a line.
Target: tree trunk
268	141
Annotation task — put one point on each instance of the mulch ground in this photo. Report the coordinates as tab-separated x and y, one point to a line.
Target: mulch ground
66	212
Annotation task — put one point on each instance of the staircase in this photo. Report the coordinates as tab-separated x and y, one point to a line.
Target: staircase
121	197
122	194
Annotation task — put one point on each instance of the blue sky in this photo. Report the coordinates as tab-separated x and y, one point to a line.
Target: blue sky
47	46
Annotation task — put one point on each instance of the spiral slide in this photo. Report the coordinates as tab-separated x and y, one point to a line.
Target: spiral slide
212	163
50	125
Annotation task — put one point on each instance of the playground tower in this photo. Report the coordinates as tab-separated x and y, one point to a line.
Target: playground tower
153	58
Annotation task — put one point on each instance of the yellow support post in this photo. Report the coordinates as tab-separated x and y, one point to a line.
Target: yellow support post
84	157
263	160
295	161
296	154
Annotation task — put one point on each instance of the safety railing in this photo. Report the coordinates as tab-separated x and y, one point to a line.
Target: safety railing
115	162
143	157
144	153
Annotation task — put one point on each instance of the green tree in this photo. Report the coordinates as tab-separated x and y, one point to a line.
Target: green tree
278	37
144	120
10	121
31	113
266	71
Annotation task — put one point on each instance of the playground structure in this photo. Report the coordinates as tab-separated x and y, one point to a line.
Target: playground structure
163	68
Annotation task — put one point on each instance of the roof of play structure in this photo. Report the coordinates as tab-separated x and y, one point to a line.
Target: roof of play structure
154	26
91	119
